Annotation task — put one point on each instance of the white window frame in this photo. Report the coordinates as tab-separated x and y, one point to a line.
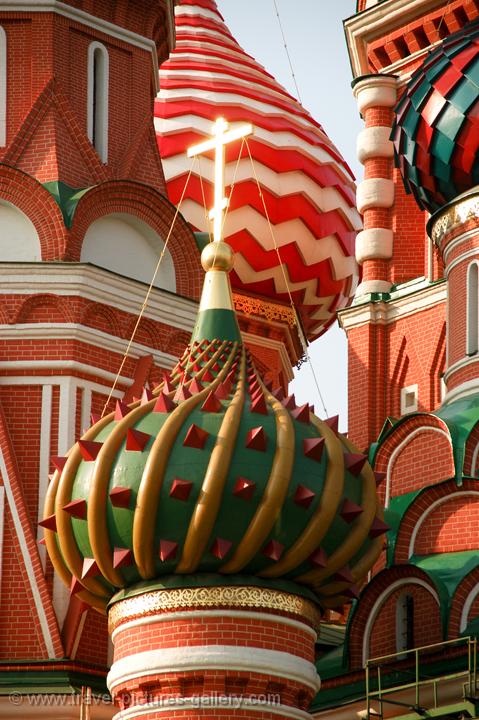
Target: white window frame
98	84
405	392
472	309
3	87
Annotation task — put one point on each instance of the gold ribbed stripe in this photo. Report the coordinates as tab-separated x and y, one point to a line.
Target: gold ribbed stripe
325	512
68	546
209	499
358	534
274	494
149	490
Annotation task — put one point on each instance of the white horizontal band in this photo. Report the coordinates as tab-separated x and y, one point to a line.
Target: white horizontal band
374	142
374	193
373	286
213	657
375	91
202	614
232	703
374	243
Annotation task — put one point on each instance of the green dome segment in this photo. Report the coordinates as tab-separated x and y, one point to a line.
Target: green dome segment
436	129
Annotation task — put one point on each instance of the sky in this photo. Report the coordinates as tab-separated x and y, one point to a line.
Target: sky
316	44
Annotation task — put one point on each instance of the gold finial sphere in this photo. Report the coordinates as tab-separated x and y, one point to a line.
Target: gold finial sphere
217	256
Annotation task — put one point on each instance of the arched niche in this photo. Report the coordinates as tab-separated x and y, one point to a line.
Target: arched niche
130	247
19	239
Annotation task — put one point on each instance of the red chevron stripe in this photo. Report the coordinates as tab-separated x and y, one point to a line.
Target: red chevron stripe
186	37
235	57
206	4
194	21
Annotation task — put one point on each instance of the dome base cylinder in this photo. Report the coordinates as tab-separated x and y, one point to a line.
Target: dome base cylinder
210	652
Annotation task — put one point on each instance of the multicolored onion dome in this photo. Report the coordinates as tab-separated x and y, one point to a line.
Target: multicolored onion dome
212	472
436	130
307	187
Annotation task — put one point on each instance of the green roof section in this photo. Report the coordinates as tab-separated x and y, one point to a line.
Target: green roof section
460	417
216	324
66	197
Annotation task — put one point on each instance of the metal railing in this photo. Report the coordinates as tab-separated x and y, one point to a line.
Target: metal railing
404	671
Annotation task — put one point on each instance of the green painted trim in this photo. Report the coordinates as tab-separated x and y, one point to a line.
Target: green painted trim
66	197
216	324
173	582
202	239
50	681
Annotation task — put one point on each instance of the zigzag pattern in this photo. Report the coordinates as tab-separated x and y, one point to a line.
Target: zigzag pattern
307	187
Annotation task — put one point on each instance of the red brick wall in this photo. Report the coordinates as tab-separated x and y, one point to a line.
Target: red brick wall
450	527
426	459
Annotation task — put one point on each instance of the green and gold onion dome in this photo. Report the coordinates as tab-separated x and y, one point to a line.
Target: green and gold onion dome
213	474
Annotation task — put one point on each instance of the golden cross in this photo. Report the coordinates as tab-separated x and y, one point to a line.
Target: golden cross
217	143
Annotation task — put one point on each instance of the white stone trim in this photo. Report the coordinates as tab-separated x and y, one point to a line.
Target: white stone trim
472	309
97	285
459	365
430	509
227	703
467	607
400	306
2	522
213	657
94	23
374	142
3	87
84	334
475	455
453	245
405	391
375	91
201	614
98	99
380	601
372	286
44	460
85	420
374	243
397	450
37	600
374	193
69	365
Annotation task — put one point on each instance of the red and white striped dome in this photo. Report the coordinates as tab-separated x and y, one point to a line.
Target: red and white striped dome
307	186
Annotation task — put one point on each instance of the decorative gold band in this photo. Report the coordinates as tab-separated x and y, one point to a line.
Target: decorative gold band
157	601
454	215
270	311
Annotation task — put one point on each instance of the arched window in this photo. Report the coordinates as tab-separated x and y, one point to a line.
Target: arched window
98	72
472	330
404	622
3	88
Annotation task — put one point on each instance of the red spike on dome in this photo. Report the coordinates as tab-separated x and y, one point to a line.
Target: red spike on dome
311	409
377	528
42	541
289	402
164	404
256	393
195	386
196	368
350	511
244	488
258	405
182	394
146	396
216	367
273	550
278	393
168	550
313	448
256	439
122	557
344	575
379	477
319	558
221	548
351	592
196	437
212	403
354	463
49	523
59	462
94	418
333	423
168	386
89	449
207	376
75	586
303	496
120	497
76	508
301	414
136	440
181	489
90	568
223	390
268	384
